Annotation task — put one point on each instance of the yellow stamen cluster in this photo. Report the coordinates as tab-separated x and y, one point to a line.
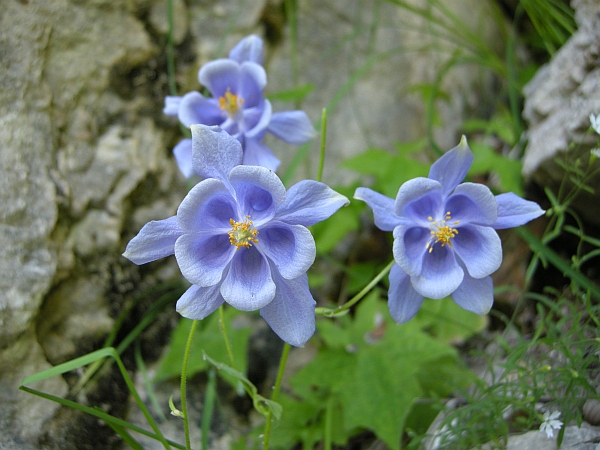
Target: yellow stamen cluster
442	233
230	103
242	234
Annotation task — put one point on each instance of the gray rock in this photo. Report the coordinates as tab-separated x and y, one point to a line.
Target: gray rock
558	103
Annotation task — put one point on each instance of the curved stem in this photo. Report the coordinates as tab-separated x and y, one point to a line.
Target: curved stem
188	346
225	338
330	312
282	363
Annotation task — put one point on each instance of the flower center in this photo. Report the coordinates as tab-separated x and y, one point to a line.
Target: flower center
242	234
230	103
441	231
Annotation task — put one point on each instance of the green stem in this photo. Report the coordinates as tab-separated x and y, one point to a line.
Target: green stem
282	363
225	338
323	141
331	312
188	346
328	422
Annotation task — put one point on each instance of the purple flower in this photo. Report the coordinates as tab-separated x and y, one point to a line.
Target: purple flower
238	106
239	238
445	241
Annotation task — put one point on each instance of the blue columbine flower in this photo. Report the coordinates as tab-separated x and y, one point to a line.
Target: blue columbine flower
445	240
239	238
238	106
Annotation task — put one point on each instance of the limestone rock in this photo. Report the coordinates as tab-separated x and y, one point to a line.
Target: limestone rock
558	103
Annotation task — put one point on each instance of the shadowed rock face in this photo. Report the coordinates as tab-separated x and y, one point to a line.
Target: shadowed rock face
558	103
85	156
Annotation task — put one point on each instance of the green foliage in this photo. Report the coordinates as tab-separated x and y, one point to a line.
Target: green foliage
370	372
209	339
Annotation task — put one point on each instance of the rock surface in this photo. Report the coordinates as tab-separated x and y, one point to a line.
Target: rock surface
558	103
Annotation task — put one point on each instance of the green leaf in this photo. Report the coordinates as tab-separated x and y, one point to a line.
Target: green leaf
296	94
508	170
261	404
208	337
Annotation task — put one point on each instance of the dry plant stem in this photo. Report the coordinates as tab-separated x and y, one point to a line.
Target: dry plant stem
186	425
282	363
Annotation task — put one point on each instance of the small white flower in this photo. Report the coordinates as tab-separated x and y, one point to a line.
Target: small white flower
595	152
551	423
595	121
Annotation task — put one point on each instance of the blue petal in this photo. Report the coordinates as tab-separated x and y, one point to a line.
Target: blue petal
258	192
203	258
440	275
253	80
419	199
410	247
291	248
403	301
513	211
382	206
171	107
195	108
452	167
207	207
248	49
199	302
256	120
258	154
293	127
479	248
248	285
309	202
472	203
154	241
183	156
475	295
214	152
291	314
220	75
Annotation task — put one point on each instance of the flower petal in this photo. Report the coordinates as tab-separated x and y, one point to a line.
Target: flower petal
203	258
248	49
403	301
382	206
258	191
291	248
258	154
154	241
513	211
214	152
252	81
475	294
293	127
199	302
172	105
479	248
419	199
440	275
472	203
410	247
291	314
452	167
207	207
183	156
220	75
309	202
256	120
195	108
248	285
